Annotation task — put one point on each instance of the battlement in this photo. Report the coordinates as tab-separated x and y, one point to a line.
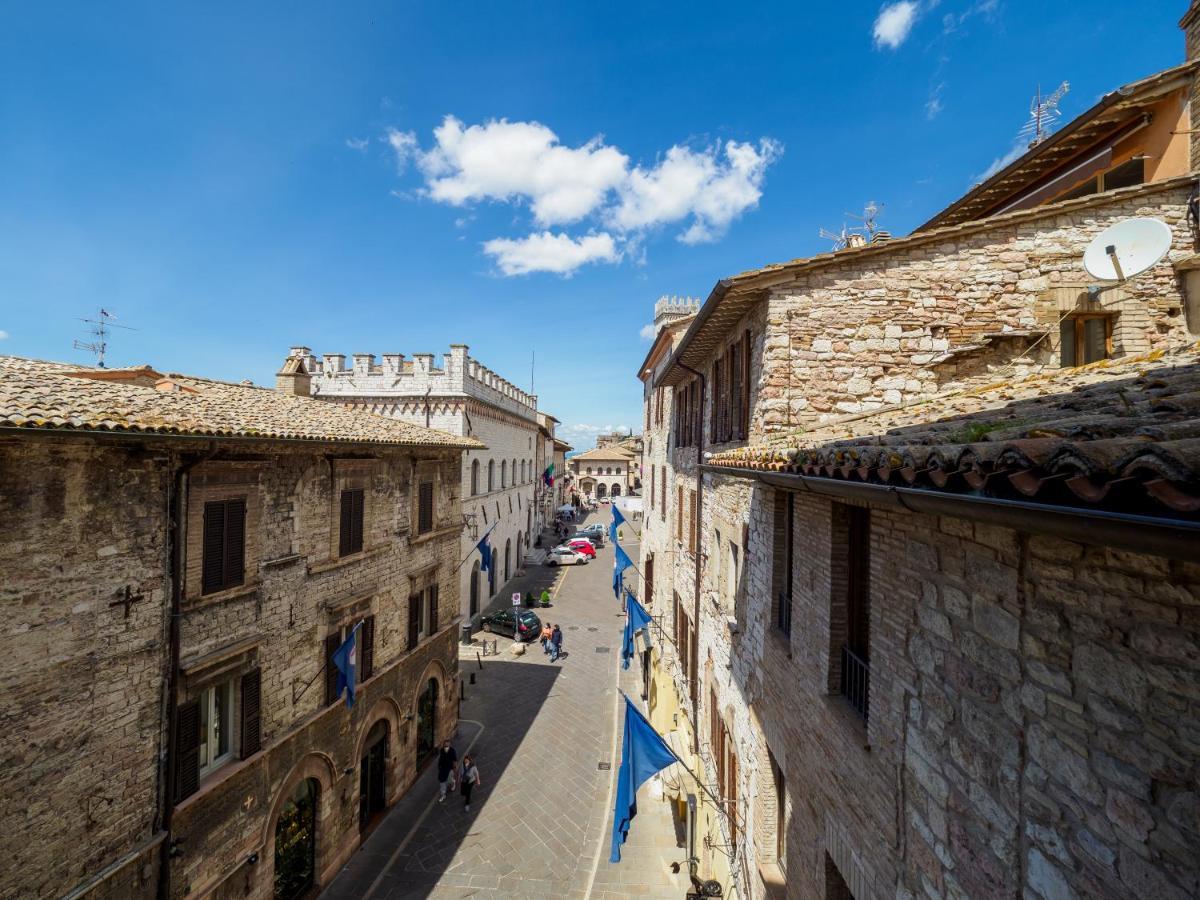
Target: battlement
669	309
396	376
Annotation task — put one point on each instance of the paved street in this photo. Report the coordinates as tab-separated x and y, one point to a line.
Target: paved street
540	822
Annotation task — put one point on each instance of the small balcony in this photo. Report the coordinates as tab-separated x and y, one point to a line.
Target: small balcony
856	680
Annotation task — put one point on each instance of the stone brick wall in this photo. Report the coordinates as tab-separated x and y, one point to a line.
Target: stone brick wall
1033	721
886	329
80	679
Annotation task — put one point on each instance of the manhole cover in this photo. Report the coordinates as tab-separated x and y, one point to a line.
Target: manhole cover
572	628
603	649
593	628
604	766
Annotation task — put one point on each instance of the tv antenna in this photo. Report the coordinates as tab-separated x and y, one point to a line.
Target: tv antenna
869	214
841	240
98	328
1126	249
1043	113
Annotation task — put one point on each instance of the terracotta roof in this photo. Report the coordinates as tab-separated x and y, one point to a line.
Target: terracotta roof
35	394
1119	434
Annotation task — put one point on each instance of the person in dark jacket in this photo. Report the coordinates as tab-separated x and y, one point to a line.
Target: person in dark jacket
447	759
468	780
555	644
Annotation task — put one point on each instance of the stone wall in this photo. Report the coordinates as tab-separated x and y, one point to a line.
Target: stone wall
81	678
884	329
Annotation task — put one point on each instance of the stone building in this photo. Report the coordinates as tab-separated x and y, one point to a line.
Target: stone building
601	472
926	589
462	396
183	556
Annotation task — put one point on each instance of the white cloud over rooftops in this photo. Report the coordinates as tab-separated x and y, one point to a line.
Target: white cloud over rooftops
893	24
702	190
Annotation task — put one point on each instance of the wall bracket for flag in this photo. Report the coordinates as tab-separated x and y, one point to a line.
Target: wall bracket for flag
296	697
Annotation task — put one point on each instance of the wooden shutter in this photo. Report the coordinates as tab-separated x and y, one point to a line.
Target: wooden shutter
745	415
732	778
213	560
332	642
414	620
735	389
251	712
235	542
693	522
366	658
433	609
425	507
350	532
187	749
858	606
652	487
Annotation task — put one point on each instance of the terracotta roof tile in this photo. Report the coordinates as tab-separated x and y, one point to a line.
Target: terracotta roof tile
1121	434
35	394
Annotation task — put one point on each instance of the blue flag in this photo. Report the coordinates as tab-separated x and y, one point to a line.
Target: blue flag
617	522
485	551
621	562
636	618
643	753
345	659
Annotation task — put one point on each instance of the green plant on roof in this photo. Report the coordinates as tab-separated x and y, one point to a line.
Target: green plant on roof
976	431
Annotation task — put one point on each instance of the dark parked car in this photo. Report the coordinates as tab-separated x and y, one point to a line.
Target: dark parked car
596	537
529	626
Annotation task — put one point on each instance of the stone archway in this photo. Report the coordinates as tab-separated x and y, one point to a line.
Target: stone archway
616	489
312	779
601	491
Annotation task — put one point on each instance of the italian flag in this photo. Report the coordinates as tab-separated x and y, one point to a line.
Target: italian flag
548	475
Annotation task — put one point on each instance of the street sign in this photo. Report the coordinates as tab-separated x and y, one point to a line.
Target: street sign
516	599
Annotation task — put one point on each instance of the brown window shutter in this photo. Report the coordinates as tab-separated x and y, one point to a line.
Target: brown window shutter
251	712
433	609
344	526
745	385
213	560
425	508
332	642
414	620
366	659
693	522
187	750
235	542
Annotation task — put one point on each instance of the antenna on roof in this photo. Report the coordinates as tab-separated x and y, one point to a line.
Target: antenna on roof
869	214
841	240
1043	112
99	327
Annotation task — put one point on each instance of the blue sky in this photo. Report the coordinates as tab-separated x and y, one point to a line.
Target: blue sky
232	179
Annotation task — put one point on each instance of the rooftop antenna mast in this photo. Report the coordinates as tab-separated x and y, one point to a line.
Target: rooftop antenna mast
869	214
841	240
98	328
1043	113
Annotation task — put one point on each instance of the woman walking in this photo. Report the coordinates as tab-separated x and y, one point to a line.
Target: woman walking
470	778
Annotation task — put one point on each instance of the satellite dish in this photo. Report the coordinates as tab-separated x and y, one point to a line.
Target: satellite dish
1127	248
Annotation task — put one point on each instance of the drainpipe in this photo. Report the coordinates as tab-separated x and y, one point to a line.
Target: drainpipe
177	539
695	679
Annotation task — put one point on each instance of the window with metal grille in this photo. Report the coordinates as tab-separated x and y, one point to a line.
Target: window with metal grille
782	563
856	650
425	507
224	554
350	539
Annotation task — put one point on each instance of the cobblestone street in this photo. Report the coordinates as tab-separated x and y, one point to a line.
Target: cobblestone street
540	822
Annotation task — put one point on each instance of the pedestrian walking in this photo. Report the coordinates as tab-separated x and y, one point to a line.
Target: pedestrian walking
468	779
555	643
447	763
547	633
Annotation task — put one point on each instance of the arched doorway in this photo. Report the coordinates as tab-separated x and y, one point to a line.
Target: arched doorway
508	559
475	588
601	491
372	776
616	490
296	842
427	720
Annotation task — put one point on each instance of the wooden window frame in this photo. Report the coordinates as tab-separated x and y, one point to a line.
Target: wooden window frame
425	505
1079	320
351	520
223	553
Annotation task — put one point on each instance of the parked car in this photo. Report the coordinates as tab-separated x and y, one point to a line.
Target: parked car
590	538
565	556
528	625
596	532
582	545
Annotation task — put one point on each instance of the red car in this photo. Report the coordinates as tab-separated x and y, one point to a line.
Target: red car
582	545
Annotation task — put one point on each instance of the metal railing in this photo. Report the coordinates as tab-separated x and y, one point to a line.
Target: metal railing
856	680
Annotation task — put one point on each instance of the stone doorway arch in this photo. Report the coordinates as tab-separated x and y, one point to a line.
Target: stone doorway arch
616	490
601	491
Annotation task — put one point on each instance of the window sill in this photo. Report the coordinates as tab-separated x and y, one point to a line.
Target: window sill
781	640
434	535
233	593
318	568
852	726
773	879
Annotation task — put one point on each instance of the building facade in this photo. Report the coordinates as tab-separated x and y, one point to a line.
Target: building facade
191	554
497	485
609	471
887	692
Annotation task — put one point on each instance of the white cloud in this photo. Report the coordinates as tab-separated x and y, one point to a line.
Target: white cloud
893	24
1018	150
933	106
548	252
525	163
3	335
648	332
503	160
359	144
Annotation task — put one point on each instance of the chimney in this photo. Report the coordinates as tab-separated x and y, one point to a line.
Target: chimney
293	378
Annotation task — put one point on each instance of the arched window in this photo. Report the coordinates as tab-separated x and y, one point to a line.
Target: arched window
296	842
475	478
491	475
514	471
504	473
522	471
589	470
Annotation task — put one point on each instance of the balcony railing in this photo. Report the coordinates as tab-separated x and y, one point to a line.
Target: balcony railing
856	680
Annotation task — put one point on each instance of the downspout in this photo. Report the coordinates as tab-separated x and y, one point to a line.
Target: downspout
695	679
177	538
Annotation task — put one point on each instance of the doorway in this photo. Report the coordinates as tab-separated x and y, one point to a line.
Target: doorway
372	777
475	588
601	491
427	721
296	842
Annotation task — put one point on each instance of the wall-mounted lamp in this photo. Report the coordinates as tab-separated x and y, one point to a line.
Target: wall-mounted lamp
252	859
